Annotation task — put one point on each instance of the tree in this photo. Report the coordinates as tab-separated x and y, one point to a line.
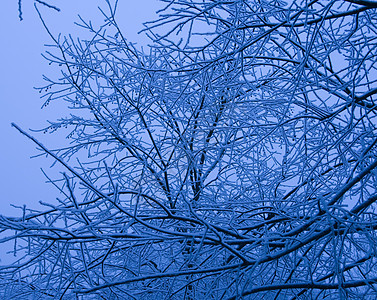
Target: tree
236	158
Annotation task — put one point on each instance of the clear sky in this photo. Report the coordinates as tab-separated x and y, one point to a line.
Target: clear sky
22	66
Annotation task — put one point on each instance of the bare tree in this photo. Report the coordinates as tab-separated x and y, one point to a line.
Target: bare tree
236	158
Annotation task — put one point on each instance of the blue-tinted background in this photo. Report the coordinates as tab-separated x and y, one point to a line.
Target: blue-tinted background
22	66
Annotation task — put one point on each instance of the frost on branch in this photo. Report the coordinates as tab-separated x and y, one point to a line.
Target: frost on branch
237	163
43	3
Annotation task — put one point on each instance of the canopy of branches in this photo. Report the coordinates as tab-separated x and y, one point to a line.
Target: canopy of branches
236	157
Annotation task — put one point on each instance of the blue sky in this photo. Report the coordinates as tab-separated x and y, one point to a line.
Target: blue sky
22	66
